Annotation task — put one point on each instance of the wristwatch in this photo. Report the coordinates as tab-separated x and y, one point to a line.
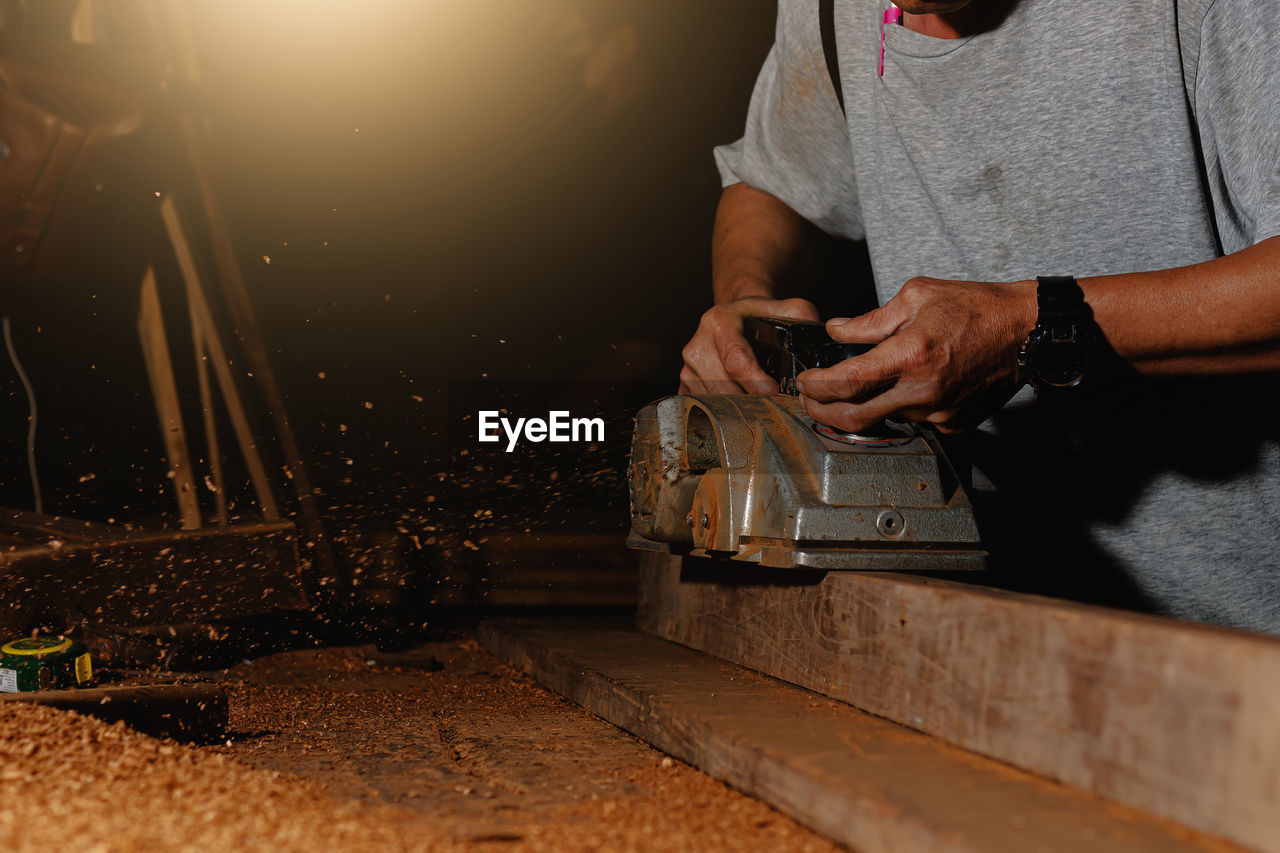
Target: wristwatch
1055	356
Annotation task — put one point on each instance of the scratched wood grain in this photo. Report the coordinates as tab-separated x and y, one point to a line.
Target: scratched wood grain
1179	719
868	783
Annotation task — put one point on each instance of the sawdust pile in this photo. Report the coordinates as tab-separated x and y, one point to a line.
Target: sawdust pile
69	782
442	749
485	756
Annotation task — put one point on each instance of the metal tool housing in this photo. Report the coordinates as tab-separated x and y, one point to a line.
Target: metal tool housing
754	478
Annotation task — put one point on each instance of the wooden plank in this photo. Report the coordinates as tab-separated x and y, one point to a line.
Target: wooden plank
864	781
1178	719
164	390
195	713
325	569
143	577
31	527
204	327
583	545
210	421
172	36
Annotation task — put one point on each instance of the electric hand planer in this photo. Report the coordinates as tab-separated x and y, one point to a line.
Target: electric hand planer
753	478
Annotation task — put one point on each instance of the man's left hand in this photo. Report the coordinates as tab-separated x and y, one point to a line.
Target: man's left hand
946	353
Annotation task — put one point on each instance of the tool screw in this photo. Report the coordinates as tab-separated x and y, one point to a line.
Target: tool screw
891	524
706	521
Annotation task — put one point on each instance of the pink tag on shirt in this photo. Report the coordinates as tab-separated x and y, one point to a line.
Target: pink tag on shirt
892	15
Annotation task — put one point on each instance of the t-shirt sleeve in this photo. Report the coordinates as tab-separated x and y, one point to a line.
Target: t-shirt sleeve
1235	93
796	145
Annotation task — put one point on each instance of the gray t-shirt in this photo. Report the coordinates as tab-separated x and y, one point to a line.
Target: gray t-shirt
1072	139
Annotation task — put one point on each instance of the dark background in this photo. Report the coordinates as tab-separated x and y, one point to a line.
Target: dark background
497	203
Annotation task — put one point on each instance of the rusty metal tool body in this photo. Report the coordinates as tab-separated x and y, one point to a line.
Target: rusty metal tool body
753	478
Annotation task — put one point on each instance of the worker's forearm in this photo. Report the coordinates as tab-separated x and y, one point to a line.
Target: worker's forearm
1221	316
759	245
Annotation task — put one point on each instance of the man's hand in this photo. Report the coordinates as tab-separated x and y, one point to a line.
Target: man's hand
760	247
946	353
718	360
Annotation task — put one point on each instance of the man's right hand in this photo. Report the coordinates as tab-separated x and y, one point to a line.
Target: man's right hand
759	245
718	360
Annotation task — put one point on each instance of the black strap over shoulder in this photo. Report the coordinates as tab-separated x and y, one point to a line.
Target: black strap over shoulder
827	24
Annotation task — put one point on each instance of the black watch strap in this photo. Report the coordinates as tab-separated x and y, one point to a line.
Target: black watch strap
1055	354
1061	301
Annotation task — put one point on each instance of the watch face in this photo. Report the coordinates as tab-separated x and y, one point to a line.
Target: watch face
1059	363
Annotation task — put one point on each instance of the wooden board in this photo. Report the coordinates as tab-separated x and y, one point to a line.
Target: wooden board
164	390
543	569
865	782
61	570
1178	719
194	713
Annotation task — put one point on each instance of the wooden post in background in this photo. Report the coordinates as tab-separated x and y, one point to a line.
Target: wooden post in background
174	39
203	327
155	351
